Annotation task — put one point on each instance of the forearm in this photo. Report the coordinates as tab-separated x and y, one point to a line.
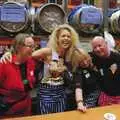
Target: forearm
79	95
41	53
36	54
79	100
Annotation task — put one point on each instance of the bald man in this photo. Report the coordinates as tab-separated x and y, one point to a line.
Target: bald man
107	62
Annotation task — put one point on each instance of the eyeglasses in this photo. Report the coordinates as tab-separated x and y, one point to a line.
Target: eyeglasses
30	46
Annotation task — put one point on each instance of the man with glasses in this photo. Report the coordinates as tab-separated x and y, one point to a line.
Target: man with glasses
17	78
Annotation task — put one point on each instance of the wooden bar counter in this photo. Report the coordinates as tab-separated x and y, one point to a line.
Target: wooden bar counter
91	114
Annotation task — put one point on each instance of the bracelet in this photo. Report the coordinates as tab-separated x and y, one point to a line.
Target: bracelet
78	101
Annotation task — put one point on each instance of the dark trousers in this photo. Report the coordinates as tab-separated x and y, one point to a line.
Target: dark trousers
70	100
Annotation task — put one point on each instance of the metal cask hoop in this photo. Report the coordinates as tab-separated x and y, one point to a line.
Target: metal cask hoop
49	16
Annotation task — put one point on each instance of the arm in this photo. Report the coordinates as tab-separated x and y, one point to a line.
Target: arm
78	95
42	53
78	90
79	100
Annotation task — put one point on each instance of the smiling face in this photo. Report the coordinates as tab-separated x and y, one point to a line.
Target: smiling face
64	39
27	48
100	47
85	60
85	63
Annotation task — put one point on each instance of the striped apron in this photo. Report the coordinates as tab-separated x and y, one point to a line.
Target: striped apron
91	100
52	98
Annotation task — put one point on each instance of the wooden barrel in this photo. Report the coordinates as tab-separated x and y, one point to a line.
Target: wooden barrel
48	16
115	22
14	17
86	18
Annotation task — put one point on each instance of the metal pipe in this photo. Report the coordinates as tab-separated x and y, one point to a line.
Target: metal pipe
65	5
105	14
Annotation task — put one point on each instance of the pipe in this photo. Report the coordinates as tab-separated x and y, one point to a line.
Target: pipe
105	14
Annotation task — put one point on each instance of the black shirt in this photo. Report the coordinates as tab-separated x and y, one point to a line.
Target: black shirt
110	82
86	79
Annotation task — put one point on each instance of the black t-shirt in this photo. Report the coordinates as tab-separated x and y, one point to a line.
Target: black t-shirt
87	79
110	82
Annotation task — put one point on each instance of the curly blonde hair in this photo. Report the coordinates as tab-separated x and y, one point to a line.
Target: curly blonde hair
52	43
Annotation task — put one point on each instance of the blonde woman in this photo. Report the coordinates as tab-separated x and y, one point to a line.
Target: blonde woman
61	45
86	80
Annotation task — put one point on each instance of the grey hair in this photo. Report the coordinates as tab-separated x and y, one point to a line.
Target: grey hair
19	40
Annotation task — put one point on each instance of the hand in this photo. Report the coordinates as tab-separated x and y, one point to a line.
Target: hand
81	107
6	57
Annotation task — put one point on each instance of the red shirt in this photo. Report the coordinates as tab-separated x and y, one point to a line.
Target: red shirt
10	76
12	89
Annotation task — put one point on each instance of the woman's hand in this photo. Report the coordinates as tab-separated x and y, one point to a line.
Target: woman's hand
81	107
6	57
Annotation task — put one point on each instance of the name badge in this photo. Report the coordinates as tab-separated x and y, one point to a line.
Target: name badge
101	72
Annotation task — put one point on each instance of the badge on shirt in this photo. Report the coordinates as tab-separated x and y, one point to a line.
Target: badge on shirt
31	73
87	74
101	72
113	68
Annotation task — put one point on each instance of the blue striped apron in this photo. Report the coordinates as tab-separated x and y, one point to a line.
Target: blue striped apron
52	98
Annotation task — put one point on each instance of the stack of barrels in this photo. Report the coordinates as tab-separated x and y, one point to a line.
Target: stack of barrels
18	17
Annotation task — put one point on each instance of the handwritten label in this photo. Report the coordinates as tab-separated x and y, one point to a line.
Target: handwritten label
12	13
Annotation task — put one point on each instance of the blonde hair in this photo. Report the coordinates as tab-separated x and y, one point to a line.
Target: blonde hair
78	56
52	43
